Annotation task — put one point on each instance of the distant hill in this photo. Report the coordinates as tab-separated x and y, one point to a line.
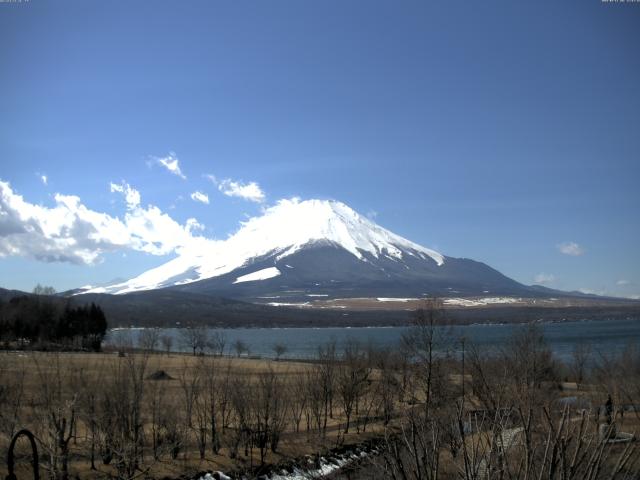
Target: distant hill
6	295
174	308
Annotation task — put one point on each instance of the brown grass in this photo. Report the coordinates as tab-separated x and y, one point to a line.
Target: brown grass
37	365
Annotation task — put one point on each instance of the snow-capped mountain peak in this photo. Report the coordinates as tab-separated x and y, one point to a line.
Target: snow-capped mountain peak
282	230
294	223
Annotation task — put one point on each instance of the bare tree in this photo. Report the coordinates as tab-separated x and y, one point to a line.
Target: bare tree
201	410
223	394
148	339
12	386
58	414
155	406
298	403
316	400
353	375
216	343
240	396
240	347
43	290
580	359
327	361
279	349
194	338
91	385
269	408
189	379
386	389
213	393
167	343
415	451
121	423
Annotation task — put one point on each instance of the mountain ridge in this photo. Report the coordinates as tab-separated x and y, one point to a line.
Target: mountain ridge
283	230
299	250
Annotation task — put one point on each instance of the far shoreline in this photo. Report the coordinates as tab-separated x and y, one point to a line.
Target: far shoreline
381	326
321	319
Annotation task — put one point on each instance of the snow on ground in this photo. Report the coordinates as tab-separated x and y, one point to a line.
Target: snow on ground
326	467
93	290
317	295
478	302
283	304
263	274
385	299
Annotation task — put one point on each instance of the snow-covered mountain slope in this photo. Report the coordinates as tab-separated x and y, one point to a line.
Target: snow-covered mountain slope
284	231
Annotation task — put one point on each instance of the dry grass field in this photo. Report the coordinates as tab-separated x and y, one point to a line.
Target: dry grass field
79	384
135	413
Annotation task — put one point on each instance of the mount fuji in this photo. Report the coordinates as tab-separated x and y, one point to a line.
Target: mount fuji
318	248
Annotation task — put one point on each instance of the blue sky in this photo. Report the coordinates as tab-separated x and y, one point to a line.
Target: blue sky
500	131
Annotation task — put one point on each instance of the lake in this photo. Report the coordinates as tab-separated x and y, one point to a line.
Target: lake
603	336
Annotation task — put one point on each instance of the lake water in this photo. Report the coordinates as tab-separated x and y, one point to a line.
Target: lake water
603	335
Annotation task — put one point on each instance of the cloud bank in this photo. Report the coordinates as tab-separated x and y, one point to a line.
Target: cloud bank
71	232
131	195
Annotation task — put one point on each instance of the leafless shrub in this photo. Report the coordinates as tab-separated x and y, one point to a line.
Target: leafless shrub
57	411
352	379
279	349
148	339
194	338
167	342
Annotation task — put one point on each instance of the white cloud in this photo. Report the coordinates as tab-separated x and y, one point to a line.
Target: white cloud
131	195
571	248
171	163
43	178
372	214
248	191
544	278
200	197
211	178
71	232
193	225
622	283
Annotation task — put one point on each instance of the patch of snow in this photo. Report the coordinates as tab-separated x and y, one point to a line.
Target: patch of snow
283	304
317	295
219	475
263	274
477	302
94	290
384	299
